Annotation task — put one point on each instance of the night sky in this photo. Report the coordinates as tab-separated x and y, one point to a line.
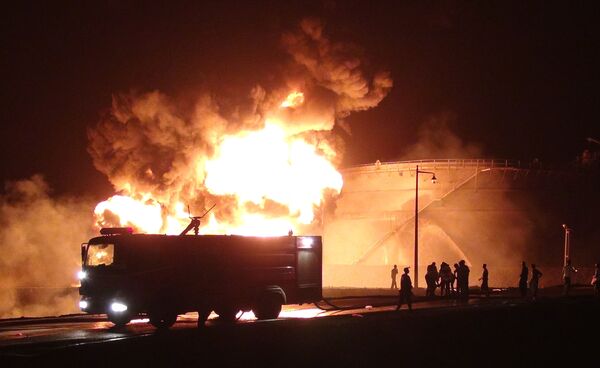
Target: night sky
520	79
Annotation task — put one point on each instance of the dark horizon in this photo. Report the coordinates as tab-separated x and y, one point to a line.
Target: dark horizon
514	80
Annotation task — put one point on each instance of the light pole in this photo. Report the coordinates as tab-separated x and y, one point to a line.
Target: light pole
567	243
433	180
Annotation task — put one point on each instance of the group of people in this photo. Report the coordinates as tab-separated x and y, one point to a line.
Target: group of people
567	276
444	278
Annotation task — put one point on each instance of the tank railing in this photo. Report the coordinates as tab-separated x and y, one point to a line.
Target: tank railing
441	163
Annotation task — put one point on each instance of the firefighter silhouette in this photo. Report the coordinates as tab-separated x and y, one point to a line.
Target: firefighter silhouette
405	293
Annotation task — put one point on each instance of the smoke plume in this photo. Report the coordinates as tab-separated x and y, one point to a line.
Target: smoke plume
39	244
337	67
156	149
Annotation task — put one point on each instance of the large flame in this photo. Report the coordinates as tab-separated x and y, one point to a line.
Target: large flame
267	160
276	179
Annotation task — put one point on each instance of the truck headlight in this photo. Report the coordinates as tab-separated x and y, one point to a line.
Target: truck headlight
83	304
81	275
118	307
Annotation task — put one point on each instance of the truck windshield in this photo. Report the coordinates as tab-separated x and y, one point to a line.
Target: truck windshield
100	254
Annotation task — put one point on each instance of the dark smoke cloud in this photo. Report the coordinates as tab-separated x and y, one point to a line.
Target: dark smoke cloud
337	67
146	144
39	244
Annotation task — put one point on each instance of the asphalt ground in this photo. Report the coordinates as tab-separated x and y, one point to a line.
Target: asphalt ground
503	330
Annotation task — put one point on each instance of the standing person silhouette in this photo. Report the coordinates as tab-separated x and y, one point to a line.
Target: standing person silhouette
568	271
394	275
455	278
533	283
431	277
405	293
485	289
523	279
435	277
446	279
463	279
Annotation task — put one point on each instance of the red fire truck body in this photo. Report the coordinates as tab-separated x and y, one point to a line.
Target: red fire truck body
161	276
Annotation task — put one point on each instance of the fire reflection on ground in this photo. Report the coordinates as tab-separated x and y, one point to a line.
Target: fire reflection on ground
290	313
286	313
140	320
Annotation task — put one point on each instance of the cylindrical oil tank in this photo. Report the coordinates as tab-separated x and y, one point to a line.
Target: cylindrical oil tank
497	212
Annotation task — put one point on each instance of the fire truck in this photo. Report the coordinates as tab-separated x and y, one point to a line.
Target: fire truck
126	275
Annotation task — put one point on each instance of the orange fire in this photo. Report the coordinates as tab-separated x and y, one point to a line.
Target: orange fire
273	179
293	99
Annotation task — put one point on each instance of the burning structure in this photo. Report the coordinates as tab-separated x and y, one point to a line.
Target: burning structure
268	164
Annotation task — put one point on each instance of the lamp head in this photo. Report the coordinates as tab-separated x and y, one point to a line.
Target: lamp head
433	179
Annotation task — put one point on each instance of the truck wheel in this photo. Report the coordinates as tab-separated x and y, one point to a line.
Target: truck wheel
203	316
119	319
268	306
163	320
227	313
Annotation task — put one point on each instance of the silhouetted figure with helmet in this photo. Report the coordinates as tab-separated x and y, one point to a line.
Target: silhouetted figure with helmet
405	293
523	279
